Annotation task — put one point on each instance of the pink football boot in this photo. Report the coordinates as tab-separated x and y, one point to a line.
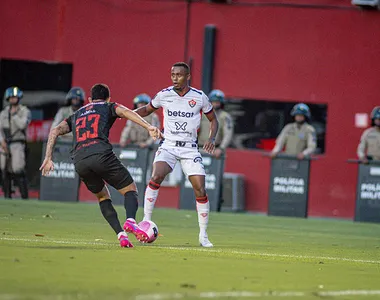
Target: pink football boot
124	241
131	226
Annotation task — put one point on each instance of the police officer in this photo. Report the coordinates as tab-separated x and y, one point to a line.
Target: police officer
75	98
135	134
226	127
299	137
14	120
369	146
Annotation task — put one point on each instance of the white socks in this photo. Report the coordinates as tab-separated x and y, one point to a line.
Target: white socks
203	209
150	198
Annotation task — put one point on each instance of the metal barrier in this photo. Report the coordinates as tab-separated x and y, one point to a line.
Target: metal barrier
367	191
289	186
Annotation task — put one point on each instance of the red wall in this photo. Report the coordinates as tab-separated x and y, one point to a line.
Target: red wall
280	53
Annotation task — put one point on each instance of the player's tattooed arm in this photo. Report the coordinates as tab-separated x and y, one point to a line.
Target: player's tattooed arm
61	129
145	110
47	164
209	146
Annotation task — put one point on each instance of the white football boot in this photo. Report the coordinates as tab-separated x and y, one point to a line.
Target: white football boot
204	241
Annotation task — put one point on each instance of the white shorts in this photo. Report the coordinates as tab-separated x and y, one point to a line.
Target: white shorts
189	156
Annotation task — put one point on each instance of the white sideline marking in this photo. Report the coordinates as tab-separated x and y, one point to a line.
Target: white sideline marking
76	242
207	295
257	294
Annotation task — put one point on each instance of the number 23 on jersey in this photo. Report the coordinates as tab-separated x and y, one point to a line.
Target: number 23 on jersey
87	127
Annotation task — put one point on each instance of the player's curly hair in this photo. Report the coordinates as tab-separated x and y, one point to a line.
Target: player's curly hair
100	91
183	65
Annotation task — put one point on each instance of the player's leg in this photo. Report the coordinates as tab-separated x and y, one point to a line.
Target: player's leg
203	207
193	168
163	164
116	174
96	185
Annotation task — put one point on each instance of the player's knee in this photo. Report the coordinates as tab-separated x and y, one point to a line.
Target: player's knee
158	178
200	191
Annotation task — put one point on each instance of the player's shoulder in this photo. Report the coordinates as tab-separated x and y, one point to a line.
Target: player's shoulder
166	90
197	91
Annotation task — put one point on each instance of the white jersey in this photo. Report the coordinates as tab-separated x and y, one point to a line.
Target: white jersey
182	114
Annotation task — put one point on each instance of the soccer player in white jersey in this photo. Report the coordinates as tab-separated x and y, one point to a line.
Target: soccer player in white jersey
182	107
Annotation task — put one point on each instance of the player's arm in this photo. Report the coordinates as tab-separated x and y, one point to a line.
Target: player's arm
209	146
145	110
126	113
61	129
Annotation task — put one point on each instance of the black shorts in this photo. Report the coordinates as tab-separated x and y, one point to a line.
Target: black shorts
97	168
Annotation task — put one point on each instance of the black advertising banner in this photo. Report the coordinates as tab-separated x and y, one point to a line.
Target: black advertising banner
289	185
368	193
214	169
136	161
62	184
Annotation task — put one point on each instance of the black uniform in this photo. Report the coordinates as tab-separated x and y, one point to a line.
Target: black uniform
94	160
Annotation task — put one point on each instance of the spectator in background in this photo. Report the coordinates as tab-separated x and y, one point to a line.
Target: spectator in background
135	134
299	137
75	98
14	121
369	146
226	127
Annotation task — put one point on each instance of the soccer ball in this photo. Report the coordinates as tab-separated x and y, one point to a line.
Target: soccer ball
151	229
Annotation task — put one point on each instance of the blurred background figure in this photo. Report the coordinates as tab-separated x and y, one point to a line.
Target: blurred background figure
75	100
226	127
369	146
134	134
14	120
299	137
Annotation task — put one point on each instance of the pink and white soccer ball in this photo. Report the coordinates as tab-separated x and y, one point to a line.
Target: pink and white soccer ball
151	229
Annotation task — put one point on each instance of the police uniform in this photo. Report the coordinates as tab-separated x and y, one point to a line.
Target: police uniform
225	132
13	131
369	146
94	160
296	139
136	134
62	114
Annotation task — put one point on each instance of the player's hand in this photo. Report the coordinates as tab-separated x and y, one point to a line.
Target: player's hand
155	133
364	160
218	152
47	166
209	146
300	156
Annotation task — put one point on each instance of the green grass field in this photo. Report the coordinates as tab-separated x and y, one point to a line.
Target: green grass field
258	257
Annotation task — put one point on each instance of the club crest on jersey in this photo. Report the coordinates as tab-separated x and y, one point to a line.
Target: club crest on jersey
192	103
